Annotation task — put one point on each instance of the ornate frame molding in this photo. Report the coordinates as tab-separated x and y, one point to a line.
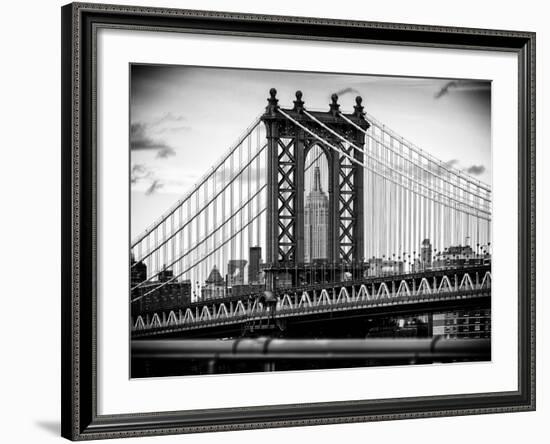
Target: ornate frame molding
80	420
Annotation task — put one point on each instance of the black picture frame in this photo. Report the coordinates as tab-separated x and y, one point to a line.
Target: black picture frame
80	419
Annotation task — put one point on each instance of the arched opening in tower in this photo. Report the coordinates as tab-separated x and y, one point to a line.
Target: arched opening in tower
316	206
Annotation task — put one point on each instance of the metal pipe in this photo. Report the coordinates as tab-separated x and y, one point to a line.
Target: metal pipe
297	349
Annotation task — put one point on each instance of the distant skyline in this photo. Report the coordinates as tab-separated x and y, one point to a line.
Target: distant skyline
183	118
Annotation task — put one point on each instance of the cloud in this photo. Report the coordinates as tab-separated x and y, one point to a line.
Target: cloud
451	162
445	90
165	152
476	170
168	117
147	136
139	173
165	179
223	175
141	140
154	187
462	86
169	123
172	129
439	169
347	90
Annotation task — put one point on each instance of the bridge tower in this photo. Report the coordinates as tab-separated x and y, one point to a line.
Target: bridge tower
289	142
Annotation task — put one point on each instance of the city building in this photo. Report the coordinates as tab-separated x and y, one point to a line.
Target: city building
400	327
460	256
283	280
246	289
382	267
255	257
138	272
165	275
463	324
426	254
161	296
214	286
235	272
316	215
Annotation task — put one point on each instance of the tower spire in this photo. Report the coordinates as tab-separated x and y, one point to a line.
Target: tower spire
317	179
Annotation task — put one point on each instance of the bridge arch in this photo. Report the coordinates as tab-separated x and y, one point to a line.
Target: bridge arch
318	197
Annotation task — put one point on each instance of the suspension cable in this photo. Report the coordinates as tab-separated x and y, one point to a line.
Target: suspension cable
191	249
196	214
427	155
352	159
255	124
382	162
199	261
433	173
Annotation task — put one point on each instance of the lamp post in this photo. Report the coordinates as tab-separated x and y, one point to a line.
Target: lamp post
270	302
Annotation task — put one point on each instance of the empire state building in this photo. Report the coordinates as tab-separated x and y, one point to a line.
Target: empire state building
316	222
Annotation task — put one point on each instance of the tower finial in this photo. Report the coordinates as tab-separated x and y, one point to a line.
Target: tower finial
334	106
359	108
272	102
298	103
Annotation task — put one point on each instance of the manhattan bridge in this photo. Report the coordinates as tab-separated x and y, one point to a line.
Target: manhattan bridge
398	233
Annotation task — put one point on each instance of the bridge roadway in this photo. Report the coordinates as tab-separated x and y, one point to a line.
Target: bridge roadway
373	297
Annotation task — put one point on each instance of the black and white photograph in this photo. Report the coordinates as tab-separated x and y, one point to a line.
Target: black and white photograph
296	221
275	222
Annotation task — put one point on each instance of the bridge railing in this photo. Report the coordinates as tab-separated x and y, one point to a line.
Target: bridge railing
267	349
345	296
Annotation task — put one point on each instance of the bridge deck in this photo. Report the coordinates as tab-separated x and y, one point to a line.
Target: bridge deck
381	296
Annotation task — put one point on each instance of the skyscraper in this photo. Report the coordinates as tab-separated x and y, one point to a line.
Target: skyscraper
235	271
426	254
138	272
255	255
316	222
214	286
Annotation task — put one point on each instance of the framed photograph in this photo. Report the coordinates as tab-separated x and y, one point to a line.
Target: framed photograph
284	221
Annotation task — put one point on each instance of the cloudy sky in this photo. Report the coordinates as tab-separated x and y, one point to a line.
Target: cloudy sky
183	118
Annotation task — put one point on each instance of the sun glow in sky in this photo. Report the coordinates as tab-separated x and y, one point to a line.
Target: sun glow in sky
182	119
